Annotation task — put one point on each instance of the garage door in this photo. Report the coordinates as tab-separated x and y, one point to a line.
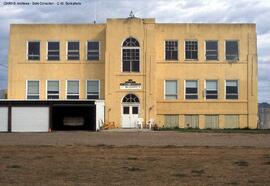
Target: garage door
30	119
3	119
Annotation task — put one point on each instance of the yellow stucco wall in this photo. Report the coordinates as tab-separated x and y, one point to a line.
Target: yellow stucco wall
153	67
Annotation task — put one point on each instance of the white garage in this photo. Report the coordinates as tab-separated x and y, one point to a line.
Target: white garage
30	119
3	119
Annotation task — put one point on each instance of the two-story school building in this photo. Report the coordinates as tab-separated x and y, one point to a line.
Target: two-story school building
176	74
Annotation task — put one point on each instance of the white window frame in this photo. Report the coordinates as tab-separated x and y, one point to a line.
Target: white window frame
225	56
164	53
212	115
67	50
86	49
225	90
26	90
86	88
177	87
67	89
185	93
47	49
27	50
53	94
205	90
121	53
209	60
185	50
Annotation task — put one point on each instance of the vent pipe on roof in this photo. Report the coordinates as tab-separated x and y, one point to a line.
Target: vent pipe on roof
131	14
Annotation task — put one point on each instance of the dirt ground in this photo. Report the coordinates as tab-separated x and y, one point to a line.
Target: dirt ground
24	162
138	138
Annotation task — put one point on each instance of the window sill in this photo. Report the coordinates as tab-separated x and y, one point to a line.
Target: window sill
201	62
215	61
171	60
62	62
191	60
201	101
90	61
131	74
33	61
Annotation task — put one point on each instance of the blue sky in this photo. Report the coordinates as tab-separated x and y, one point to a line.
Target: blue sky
197	11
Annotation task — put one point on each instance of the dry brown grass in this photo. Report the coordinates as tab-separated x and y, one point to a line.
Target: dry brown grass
133	165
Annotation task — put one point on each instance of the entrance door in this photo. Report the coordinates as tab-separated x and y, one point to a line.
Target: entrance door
130	115
130	111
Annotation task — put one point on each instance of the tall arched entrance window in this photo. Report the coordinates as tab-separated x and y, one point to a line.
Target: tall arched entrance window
130	111
131	55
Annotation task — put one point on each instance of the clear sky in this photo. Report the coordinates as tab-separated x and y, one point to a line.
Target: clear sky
197	11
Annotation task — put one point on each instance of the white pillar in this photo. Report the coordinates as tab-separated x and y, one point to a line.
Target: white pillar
99	113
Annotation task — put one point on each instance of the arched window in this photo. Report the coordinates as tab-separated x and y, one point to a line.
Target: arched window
131	55
130	98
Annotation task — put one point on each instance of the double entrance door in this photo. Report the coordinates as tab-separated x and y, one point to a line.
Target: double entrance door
130	114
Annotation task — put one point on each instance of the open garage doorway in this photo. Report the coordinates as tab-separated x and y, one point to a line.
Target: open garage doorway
73	117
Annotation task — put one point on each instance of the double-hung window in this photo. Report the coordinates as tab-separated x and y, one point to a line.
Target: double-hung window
211	50
53	51
211	91
32	89
73	89
232	51
231	89
191	89
171	89
52	89
171	50
33	50
73	52
92	89
93	50
191	50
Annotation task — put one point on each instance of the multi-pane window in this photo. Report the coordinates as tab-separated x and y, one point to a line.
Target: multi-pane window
73	50
131	98
171	121
231	89
192	121
92	89
131	55
211	50
191	48
73	89
32	89
211	89
33	51
171	50
231	121
171	89
232	50
211	121
53	51
92	50
52	89
191	89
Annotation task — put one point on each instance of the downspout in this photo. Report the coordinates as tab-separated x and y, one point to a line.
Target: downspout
145	71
